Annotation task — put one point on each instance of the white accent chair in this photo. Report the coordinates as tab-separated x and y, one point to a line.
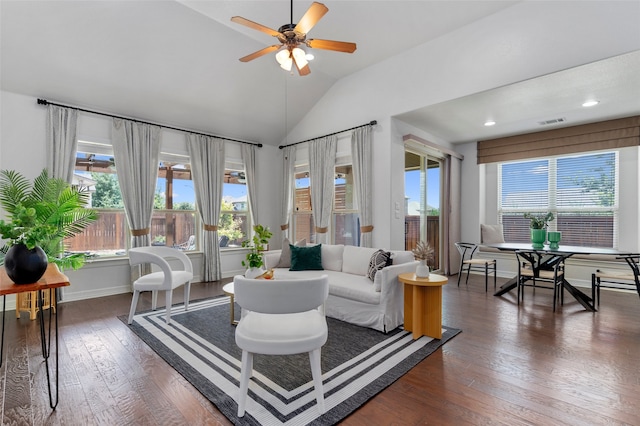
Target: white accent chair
165	280
281	317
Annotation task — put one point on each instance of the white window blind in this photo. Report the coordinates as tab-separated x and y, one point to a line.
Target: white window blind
580	190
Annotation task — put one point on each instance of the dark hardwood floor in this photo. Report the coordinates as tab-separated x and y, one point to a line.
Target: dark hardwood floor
511	365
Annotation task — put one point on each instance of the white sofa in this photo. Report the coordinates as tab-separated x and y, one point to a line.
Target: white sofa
353	297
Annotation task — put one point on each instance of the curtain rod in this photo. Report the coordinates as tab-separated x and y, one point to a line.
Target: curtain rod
45	102
371	123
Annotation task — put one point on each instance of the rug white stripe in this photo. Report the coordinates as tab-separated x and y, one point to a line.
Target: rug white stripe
178	338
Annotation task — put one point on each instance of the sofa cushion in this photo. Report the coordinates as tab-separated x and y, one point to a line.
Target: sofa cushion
378	260
353	287
332	257
355	260
285	254
491	234
306	258
347	286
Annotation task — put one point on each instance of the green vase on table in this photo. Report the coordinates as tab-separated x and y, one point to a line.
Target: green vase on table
554	239
538	238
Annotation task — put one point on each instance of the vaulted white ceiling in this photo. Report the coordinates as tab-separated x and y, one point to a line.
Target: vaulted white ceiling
176	63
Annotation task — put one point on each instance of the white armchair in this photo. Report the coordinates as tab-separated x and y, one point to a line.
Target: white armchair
165	280
281	317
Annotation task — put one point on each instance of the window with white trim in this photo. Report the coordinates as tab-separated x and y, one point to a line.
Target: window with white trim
580	190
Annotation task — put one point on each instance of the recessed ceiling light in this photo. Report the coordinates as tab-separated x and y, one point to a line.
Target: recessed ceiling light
489	123
590	103
309	56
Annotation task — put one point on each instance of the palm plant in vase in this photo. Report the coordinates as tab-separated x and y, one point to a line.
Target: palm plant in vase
39	217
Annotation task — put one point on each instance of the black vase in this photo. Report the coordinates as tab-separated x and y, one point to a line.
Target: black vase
25	266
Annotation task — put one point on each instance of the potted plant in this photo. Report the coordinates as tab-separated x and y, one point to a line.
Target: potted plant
39	217
424	253
256	246
538	226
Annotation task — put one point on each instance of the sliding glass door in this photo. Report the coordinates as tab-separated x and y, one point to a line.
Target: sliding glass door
423	198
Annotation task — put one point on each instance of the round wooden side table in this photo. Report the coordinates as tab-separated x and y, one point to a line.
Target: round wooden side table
423	304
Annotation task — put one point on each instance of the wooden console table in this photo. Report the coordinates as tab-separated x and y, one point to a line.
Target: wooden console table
52	280
423	304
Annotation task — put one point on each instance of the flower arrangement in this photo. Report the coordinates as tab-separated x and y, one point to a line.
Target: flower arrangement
539	221
423	251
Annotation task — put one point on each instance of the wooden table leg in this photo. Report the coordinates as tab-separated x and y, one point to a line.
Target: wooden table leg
408	307
423	311
431	306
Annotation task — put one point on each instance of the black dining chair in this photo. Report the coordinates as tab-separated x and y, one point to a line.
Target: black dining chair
617	279
535	267
467	259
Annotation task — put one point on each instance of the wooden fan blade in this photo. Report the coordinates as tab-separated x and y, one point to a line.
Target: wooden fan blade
311	17
304	70
254	25
338	46
261	52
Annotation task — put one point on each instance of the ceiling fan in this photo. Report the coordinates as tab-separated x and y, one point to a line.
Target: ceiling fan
291	36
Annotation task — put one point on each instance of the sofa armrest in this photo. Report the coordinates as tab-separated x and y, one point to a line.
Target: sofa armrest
271	258
388	277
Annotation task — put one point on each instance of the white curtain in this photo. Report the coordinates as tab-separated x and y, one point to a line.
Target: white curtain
249	160
288	188
207	168
61	142
322	163
136	148
361	154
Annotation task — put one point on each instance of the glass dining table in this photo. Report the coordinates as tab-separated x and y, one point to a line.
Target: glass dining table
551	257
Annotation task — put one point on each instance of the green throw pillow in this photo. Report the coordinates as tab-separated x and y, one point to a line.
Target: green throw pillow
306	258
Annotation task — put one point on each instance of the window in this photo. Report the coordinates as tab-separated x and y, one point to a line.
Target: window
108	235
345	224
173	222
302	212
581	191
235	222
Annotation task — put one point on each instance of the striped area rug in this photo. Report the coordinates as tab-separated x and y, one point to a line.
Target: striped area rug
357	363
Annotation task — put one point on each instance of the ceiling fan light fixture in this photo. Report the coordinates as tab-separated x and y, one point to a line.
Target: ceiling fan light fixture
300	56
291	36
284	59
